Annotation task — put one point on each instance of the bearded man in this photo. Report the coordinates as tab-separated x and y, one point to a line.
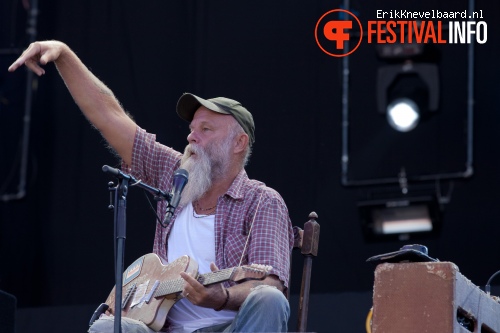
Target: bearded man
224	218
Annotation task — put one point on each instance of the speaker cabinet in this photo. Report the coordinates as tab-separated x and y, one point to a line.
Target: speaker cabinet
430	297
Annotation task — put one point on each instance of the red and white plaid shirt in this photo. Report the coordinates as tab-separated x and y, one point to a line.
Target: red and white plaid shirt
246	201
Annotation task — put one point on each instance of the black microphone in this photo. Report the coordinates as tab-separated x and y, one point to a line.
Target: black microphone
115	172
179	182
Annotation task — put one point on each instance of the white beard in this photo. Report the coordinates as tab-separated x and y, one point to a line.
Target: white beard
199	169
207	165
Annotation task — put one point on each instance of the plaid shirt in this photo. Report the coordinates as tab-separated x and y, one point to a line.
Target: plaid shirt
246	202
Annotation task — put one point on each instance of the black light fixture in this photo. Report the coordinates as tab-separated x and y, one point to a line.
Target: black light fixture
400	219
417	95
407	93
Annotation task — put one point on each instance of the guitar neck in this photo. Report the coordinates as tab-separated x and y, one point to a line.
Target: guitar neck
176	285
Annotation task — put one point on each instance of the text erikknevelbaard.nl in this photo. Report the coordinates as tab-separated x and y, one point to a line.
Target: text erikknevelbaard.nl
404	26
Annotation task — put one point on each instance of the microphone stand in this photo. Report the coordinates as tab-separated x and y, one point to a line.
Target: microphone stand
120	205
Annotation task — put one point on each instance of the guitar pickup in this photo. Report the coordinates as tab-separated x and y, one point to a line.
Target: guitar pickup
129	293
147	298
139	294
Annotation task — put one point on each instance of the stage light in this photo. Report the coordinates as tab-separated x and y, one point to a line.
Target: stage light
403	114
407	93
401	219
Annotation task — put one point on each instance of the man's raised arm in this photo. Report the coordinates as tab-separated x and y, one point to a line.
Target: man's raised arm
96	101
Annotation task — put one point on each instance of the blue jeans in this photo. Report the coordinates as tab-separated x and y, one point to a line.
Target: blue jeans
106	324
265	309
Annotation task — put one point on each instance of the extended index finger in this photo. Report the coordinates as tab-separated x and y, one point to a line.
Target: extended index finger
27	58
21	59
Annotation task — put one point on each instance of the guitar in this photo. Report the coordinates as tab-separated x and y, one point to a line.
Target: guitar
150	289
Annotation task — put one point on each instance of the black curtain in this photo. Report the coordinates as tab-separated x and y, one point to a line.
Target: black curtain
57	242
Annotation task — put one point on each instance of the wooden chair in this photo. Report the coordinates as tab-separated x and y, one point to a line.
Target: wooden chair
306	240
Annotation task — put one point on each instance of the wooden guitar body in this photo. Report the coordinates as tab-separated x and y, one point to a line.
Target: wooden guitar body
138	281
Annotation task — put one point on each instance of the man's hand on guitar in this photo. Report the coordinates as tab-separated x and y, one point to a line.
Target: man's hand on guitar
212	296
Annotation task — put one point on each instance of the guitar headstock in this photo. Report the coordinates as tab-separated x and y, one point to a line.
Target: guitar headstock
252	272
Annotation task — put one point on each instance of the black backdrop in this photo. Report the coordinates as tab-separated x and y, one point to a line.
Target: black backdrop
57	242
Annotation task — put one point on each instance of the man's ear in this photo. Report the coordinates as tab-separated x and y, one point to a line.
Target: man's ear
241	143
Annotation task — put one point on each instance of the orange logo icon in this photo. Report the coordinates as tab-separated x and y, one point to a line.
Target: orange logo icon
333	35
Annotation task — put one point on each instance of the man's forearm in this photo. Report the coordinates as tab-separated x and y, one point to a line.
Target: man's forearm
98	103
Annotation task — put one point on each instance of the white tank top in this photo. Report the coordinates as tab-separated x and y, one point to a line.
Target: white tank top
194	235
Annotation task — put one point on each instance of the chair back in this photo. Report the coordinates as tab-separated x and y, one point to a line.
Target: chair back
306	240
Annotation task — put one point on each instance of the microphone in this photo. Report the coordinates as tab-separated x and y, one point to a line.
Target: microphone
179	182
115	172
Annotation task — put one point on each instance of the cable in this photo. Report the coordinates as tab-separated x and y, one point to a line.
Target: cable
487	288
154	210
368	322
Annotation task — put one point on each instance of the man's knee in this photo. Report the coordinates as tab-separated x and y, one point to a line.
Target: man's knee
106	324
102	325
269	296
266	309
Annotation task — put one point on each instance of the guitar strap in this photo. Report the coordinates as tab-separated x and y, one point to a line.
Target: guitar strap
251	227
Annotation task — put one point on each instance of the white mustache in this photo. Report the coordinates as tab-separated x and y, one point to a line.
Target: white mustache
193	149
